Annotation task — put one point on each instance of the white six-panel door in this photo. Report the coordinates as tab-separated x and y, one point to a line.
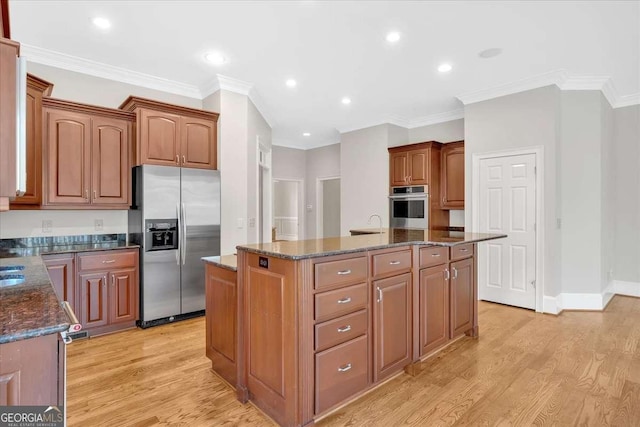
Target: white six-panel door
507	267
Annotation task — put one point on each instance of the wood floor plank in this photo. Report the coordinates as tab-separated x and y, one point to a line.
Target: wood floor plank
579	368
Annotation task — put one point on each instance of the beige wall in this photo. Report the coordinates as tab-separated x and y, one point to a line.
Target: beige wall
257	130
64	223
450	131
331	208
626	158
322	162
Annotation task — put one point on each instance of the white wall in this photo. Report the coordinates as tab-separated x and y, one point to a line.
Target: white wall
526	119
450	131
627	193
288	163
15	224
322	162
285	198
364	166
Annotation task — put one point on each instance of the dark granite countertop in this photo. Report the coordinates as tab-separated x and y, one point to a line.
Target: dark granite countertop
390	237
30	309
230	262
66	248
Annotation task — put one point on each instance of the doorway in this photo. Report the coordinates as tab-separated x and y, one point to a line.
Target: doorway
287	209
328	207
507	200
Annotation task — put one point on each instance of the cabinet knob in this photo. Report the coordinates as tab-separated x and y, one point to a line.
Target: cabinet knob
446	274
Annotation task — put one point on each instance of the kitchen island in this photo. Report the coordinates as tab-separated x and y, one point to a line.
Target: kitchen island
320	322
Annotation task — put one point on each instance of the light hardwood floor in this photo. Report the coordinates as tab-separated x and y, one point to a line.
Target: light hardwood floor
580	368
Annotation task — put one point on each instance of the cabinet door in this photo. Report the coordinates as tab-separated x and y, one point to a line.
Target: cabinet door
398	169
418	167
452	180
69	157
8	128
123	296
392	325
33	149
61	273
462	296
159	138
198	145
110	165
93	299
434	308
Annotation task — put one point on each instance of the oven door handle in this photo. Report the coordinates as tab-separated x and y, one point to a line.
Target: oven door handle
409	196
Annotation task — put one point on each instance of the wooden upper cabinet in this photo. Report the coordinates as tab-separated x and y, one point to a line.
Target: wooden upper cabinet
398	169
197	143
87	152
171	135
159	138
69	156
418	166
36	90
452	179
110	164
9	52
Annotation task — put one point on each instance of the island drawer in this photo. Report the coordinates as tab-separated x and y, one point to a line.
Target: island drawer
341	272
107	260
433	255
340	301
342	329
341	372
461	251
392	262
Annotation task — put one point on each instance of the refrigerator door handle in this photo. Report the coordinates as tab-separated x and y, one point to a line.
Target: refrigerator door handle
184	233
179	233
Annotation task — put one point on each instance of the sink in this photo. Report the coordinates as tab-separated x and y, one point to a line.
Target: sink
6	269
11	279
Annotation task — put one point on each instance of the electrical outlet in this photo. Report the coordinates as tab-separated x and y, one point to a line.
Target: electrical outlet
252	222
99	224
309	208
47	225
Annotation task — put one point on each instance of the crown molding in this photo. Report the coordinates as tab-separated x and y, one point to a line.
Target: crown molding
433	119
560	78
105	71
234	85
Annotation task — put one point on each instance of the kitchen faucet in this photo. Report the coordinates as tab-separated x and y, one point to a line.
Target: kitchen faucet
379	219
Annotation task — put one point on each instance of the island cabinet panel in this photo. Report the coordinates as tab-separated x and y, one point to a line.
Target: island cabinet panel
434	308
270	336
62	274
391	263
341	372
342	272
392	315
462	296
334	303
452	176
29	372
222	323
337	331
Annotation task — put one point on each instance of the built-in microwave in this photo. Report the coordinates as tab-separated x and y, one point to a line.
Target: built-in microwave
408	207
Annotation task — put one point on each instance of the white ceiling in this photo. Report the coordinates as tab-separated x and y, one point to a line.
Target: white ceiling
336	49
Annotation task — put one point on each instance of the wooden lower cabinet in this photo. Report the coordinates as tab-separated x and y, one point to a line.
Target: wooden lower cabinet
221	318
434	308
108	297
61	269
31	372
392	325
462	296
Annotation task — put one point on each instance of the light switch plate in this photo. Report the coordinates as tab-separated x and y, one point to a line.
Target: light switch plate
240	222
99	224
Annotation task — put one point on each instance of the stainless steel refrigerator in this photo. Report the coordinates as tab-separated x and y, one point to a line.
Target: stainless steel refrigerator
175	218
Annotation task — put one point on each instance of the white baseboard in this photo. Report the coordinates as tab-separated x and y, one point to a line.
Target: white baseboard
631	289
574	301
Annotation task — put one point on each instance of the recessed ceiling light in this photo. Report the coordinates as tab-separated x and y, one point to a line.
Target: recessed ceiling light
346	100
306	134
445	68
102	23
490	53
291	83
215	58
393	37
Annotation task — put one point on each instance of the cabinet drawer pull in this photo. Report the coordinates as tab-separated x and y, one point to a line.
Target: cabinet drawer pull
435	255
177	159
111	261
455	272
379	294
464	250
346	300
184	160
447	275
394	262
344	272
344	368
95	194
345	328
